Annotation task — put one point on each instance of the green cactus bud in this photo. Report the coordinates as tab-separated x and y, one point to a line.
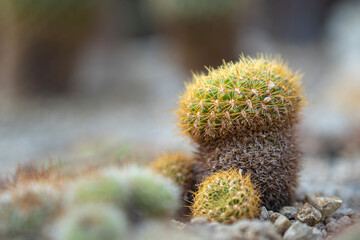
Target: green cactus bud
91	222
243	115
226	197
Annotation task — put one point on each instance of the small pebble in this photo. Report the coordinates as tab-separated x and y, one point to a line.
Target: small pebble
264	215
308	214
299	231
289	212
199	220
327	205
282	224
333	227
274	216
344	221
317	233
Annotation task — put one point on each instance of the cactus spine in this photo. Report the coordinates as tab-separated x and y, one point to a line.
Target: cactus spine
226	197
242	115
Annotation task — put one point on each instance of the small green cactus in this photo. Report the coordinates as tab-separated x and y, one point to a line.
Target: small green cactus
152	195
242	116
107	186
200	10
177	167
26	210
91	222
226	197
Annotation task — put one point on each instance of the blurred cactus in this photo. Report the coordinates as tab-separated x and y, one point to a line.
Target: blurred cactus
107	186
152	195
91	222
26	210
42	39
177	167
242	115
226	197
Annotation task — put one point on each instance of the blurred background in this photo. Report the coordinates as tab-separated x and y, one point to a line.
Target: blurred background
96	79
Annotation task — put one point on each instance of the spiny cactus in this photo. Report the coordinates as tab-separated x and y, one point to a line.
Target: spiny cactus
200	10
226	196
177	167
26	210
91	222
242	115
107	186
152	195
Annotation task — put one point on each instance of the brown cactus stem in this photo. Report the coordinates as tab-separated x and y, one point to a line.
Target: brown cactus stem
270	154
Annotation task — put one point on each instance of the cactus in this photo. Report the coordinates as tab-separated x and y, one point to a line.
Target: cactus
226	196
107	186
200	10
152	195
91	222
242	115
25	211
177	167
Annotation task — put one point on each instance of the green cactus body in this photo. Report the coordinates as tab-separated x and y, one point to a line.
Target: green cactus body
108	186
91	222
152	195
242	115
226	197
25	211
177	167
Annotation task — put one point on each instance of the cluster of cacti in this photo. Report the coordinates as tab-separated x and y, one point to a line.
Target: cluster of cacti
26	209
226	196
91	222
200	10
42	204
141	192
242	116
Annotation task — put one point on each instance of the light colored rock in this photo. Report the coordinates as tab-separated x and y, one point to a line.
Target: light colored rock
333	227
344	221
264	215
299	231
282	224
274	216
308	214
255	229
199	220
327	205
289	212
317	234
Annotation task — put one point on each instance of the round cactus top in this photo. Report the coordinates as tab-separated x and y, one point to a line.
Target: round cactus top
251	93
226	197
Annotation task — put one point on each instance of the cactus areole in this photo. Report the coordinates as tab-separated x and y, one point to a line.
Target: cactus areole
242	116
